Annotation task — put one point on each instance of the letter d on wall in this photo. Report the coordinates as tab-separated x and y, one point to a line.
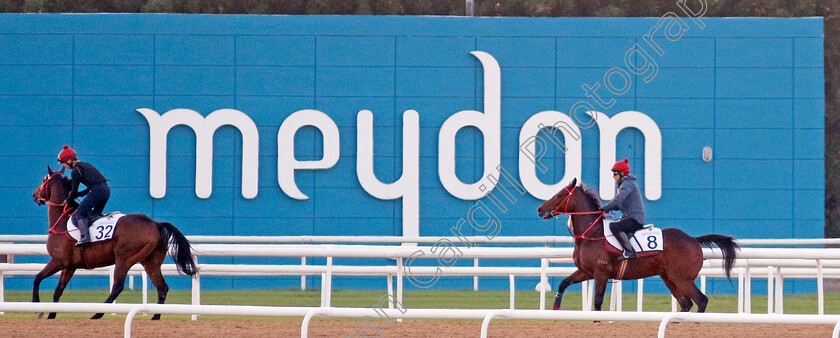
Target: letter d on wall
489	124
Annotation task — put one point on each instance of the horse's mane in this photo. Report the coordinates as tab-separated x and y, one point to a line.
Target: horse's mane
591	195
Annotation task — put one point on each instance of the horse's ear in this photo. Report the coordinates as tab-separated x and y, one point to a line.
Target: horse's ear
574	182
61	171
49	169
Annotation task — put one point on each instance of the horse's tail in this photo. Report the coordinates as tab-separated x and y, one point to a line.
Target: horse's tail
180	249
727	246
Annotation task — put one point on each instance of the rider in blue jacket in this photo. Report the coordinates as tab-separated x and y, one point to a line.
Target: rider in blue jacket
629	201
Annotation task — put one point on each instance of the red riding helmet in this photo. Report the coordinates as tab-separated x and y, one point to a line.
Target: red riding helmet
66	154
622	166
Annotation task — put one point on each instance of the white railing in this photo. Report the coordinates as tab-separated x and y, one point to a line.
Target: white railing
776	264
424	239
486	314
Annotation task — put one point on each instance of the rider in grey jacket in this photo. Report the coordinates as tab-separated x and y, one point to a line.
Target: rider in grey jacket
629	201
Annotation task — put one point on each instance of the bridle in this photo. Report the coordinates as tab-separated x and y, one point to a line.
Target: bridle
44	197
565	205
44	193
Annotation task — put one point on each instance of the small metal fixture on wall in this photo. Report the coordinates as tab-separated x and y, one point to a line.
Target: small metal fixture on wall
707	154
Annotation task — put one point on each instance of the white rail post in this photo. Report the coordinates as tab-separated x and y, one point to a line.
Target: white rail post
780	289
512	292
664	323
323	287
110	278
304	325
703	284
770	291
640	294
748	289
583	296
390	285
399	284
145	287
485	324
820	288
130	281
590	294
196	288
740	290
130	317
329	282
543	281
673	304
619	303
475	278
303	277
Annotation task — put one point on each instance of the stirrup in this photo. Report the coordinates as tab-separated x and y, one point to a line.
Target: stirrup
626	255
83	243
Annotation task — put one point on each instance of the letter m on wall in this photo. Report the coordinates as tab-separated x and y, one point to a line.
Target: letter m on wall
204	128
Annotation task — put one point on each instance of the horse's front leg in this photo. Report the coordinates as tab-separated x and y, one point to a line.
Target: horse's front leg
66	274
50	269
576	277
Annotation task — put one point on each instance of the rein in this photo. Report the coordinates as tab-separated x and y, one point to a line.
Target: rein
565	204
64	212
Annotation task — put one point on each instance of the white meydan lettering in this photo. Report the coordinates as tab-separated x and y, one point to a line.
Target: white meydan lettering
610	127
407	186
534	132
286	162
488	123
204	128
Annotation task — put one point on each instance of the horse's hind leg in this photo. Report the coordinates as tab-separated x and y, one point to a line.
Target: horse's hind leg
120	271
697	296
66	275
152	266
600	289
679	294
576	277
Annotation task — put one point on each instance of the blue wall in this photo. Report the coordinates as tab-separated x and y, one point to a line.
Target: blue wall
752	89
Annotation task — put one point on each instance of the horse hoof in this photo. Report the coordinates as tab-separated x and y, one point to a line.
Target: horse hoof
97	316
156	317
51	315
40	315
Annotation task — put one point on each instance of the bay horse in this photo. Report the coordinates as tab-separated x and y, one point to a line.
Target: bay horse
136	238
678	264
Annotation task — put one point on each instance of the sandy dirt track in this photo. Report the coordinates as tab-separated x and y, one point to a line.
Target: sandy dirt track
143	327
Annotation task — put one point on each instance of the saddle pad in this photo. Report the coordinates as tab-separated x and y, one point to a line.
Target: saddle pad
646	242
101	230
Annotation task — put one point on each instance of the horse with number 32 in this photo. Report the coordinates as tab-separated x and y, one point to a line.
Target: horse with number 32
678	264
136	238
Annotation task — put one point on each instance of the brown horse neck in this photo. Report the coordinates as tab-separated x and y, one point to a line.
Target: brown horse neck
57	219
581	225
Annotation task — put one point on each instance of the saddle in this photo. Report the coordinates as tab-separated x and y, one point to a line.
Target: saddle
646	242
101	227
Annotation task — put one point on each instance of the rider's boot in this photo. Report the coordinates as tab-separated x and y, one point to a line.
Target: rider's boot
84	235
625	242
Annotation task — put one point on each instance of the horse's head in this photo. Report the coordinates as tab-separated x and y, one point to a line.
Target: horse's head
570	199
54	188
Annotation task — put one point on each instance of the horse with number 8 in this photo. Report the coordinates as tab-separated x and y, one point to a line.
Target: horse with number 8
136	239
678	264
